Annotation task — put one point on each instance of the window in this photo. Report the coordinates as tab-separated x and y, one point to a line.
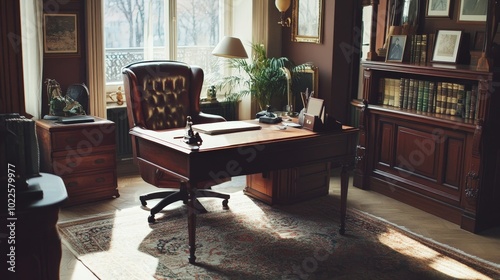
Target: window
184	30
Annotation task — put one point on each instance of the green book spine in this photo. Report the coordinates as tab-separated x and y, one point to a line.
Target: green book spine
420	97
425	97
444	98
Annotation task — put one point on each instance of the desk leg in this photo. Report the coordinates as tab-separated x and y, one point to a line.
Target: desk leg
192	221
344	184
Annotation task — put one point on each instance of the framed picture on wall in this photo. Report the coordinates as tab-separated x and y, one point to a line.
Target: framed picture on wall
447	46
473	10
396	50
307	21
60	33
438	8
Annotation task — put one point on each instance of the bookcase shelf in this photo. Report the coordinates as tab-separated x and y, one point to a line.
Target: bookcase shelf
445	164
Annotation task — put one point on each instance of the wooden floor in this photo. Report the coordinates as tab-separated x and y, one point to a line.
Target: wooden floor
485	245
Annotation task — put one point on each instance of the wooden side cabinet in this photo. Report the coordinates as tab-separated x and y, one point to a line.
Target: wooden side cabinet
287	186
83	154
441	162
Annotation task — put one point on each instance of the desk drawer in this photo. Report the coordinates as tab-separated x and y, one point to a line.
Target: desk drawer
83	139
73	164
86	183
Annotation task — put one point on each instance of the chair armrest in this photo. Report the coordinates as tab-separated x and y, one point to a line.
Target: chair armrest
208	118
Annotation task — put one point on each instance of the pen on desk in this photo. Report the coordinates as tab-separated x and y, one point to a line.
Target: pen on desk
178	137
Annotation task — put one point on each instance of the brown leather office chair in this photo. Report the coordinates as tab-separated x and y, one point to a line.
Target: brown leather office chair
160	95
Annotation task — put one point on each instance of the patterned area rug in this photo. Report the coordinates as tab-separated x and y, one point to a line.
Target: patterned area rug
255	241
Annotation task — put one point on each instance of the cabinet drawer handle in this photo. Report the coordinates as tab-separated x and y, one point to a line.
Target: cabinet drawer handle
100	180
99	161
71	184
71	164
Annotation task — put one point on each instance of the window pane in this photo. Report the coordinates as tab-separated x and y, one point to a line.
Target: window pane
138	30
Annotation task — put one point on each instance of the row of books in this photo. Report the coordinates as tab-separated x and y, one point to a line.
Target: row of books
421	48
429	96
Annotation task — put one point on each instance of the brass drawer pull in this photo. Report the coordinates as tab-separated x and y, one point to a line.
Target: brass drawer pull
99	161
72	184
71	164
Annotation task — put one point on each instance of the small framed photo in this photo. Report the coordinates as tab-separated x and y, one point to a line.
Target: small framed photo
60	33
473	10
447	46
438	8
396	49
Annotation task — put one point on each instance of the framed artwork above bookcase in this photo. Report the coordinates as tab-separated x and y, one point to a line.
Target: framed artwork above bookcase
387	13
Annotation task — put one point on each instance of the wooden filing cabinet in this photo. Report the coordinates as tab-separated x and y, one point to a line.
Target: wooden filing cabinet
83	154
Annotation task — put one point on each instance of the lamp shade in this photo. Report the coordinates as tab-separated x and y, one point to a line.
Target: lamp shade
282	5
230	47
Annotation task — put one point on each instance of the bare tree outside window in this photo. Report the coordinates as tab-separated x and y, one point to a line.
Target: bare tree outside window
198	28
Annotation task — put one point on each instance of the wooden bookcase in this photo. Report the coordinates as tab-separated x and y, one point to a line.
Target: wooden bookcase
446	165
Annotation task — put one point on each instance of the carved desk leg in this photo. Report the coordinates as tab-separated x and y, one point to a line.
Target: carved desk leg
192	221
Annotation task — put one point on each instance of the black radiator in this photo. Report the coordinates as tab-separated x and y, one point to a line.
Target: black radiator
118	115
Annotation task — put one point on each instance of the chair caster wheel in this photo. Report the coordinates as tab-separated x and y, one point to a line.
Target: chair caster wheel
143	201
224	204
151	219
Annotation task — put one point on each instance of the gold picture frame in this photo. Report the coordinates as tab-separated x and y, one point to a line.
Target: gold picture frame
60	34
307	21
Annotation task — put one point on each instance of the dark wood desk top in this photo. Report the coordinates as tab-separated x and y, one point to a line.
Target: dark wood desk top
269	133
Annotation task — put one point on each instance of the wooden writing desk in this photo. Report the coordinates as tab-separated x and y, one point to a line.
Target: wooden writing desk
242	153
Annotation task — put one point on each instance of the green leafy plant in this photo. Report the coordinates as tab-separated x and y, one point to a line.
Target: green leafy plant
263	77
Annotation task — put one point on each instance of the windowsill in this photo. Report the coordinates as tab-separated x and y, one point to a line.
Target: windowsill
113	105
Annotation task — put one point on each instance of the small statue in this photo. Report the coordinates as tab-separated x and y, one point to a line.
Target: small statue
190	137
119	96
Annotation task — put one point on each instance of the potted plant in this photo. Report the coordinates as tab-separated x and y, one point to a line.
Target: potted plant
264	78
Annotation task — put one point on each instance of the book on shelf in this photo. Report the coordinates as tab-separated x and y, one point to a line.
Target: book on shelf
406	93
468	93
420	95
411	91
386	84
454	99
449	98
439	100
432	99
460	101
399	99
423	49
425	96
394	87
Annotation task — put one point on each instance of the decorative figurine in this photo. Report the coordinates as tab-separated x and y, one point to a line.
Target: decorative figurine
190	137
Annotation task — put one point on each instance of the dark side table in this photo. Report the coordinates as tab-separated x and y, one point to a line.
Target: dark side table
29	240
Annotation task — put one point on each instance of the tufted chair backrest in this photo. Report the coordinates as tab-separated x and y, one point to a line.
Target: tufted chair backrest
160	94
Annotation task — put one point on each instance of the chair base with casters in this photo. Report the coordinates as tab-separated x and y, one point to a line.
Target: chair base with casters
173	195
